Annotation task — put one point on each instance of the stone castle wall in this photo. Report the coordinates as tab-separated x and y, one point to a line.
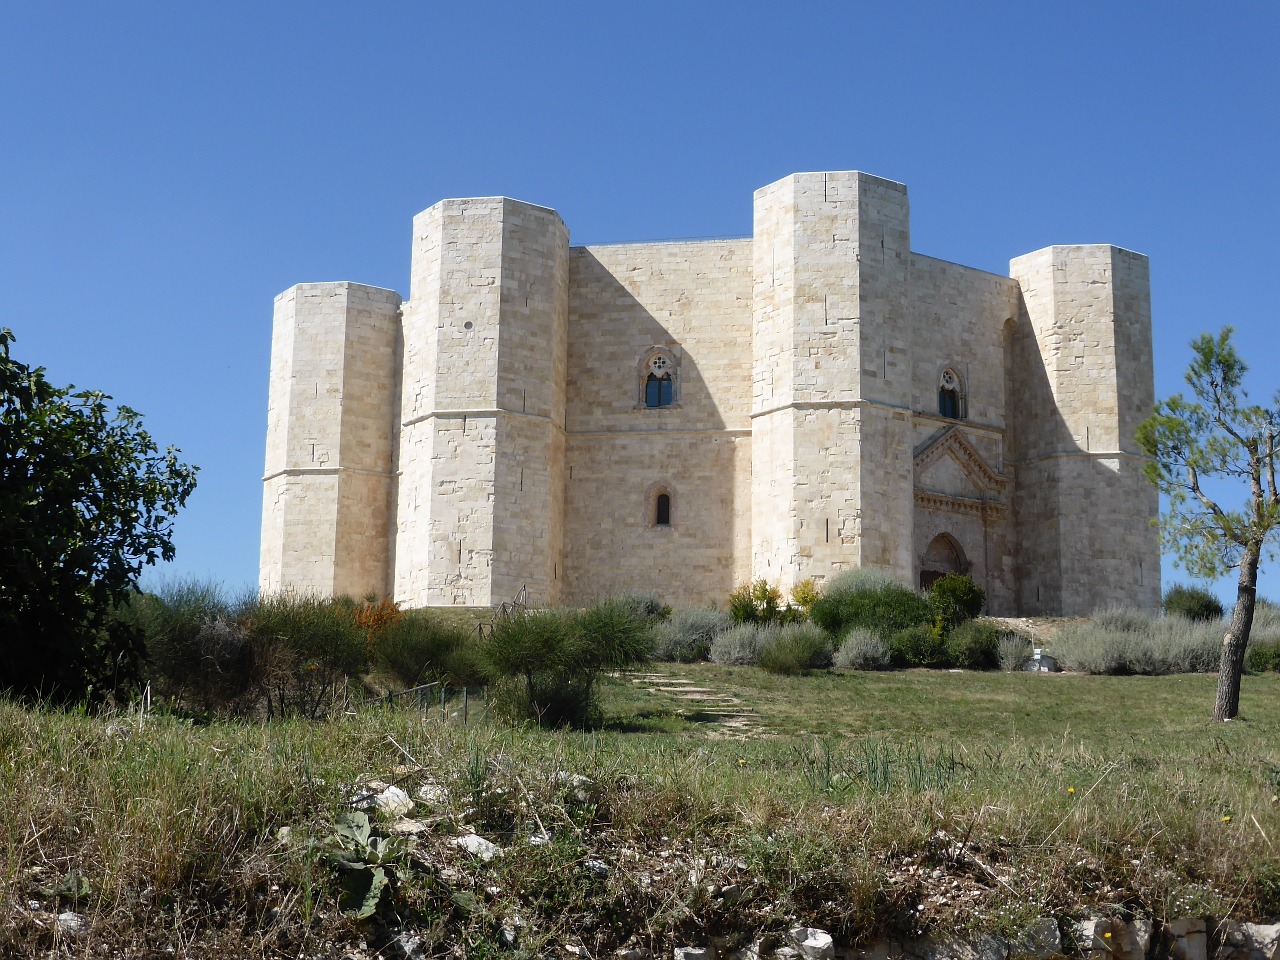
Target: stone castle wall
490	434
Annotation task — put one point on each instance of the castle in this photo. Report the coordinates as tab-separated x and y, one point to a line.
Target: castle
682	417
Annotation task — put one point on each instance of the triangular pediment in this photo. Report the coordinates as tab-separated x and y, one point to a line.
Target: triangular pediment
947	463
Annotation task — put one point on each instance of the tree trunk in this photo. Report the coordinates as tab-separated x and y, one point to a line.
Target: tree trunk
1227	704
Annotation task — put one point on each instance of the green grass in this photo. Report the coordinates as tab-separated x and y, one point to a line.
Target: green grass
986	799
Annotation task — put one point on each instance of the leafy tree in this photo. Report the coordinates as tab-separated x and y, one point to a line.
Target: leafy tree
1217	433
85	500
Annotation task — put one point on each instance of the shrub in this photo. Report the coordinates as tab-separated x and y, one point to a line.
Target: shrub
1194	603
805	594
862	649
547	662
795	648
871	599
1013	651
1263	657
741	645
417	649
974	645
304	648
956	598
643	606
755	602
188	659
687	636
917	646
1129	642
1122	620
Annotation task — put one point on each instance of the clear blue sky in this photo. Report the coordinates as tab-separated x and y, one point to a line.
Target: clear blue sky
167	169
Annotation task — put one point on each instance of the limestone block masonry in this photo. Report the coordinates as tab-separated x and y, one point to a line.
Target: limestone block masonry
682	417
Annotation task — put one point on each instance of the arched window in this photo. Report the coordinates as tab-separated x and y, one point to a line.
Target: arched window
658	379
951	399
658	507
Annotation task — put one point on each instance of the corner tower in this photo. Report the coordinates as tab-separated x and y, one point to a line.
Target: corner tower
328	481
481	452
1082	382
832	468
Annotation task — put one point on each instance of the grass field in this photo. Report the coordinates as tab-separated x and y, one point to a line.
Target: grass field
870	804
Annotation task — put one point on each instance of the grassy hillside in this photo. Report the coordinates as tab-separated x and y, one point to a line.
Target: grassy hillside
866	803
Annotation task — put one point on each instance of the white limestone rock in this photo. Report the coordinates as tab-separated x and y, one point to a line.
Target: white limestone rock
477	846
813	944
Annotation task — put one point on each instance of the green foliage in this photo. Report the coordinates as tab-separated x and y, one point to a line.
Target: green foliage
644	606
870	599
956	598
1215	434
805	594
418	648
86	500
918	646
1263	657
687	636
795	648
756	602
365	863
974	645
862	649
1194	603
1220	436
547	662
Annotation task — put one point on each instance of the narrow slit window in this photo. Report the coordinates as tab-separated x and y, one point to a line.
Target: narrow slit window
662	511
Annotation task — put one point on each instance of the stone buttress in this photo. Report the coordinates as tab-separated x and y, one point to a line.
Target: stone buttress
328	481
481	445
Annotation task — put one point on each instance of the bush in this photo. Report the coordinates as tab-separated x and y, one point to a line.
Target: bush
547	662
688	635
796	648
956	598
190	658
870	599
755	602
805	594
304	649
1194	603
1122	642
1263	657
417	649
1013	651
974	646
917	646
643	606
741	645
862	649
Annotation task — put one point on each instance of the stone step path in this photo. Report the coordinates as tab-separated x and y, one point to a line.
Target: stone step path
736	720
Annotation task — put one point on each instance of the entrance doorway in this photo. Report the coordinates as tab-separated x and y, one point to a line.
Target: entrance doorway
943	556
